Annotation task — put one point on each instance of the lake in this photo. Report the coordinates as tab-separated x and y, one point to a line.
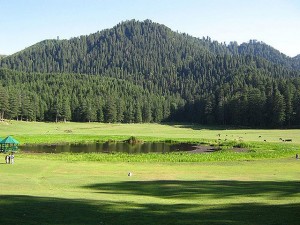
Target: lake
109	147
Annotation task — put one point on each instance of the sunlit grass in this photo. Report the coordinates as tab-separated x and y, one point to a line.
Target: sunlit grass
40	132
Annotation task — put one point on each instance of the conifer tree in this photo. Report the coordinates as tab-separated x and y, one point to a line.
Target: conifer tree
4	103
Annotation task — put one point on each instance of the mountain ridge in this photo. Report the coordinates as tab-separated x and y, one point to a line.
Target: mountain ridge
253	47
263	50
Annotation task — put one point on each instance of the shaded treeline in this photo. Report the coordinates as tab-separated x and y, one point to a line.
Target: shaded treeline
62	97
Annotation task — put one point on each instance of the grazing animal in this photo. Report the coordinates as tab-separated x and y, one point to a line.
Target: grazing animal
288	140
259	136
265	140
129	174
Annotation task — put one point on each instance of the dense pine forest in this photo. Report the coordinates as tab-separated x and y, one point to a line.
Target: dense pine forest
145	72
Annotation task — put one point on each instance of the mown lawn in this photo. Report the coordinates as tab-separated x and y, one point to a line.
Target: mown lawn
51	191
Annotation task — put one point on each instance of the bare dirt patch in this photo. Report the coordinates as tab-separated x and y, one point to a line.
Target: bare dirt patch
211	149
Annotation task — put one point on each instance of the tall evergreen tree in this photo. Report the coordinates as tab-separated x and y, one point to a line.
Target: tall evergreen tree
4	102
66	109
110	112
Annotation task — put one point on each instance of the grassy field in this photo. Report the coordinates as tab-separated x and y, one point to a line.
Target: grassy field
47	191
246	188
38	132
261	144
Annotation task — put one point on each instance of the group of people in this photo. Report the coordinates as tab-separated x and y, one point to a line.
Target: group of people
9	159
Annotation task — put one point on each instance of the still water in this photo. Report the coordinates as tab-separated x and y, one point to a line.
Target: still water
109	147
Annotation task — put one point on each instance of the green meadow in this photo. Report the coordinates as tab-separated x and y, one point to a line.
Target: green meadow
260	186
40	132
43	191
261	144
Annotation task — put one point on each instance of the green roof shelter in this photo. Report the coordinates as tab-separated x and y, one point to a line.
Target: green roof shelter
8	144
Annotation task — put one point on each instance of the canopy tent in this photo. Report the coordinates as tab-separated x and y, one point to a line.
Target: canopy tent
8	144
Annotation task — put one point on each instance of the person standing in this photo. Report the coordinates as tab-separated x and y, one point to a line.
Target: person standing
7	159
12	158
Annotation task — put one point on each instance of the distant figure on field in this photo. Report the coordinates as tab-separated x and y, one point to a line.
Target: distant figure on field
7	159
297	156
12	157
129	174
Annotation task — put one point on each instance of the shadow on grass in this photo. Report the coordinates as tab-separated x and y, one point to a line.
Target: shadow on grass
198	126
194	189
46	210
31	210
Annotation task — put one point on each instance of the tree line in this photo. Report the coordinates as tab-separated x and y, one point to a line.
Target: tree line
75	97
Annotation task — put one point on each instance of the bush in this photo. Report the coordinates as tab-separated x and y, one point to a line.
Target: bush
134	140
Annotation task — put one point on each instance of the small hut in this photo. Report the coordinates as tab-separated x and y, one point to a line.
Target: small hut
8	144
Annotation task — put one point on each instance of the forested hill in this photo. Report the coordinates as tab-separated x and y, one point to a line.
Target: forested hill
133	47
178	78
296	59
260	49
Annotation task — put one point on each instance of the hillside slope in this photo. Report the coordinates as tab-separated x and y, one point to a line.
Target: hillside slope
133	47
262	50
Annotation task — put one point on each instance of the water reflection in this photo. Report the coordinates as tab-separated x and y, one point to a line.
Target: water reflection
109	147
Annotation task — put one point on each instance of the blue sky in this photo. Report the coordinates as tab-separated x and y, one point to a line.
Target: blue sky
275	22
